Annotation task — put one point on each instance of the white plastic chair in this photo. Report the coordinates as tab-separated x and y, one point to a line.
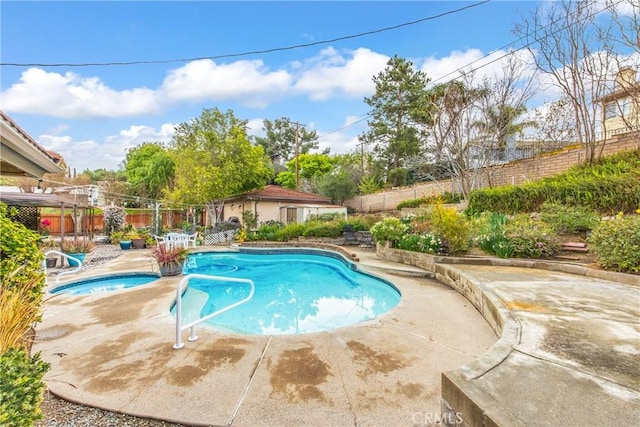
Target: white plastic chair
191	241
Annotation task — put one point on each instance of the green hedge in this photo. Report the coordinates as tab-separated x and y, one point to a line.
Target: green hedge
610	186
21	387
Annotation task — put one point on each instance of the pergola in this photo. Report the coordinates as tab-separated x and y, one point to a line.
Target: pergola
44	201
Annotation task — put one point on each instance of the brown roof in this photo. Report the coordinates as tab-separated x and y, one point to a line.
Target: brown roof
275	192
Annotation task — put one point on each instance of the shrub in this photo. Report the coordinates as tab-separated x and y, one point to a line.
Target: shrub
115	218
323	229
20	257
491	237
21	388
427	243
268	231
77	246
529	238
389	229
291	231
445	197
611	185
568	219
19	308
454	228
616	243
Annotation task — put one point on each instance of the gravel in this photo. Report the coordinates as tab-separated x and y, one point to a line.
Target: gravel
58	412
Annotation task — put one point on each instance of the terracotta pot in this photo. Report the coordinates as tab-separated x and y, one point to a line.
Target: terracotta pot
138	243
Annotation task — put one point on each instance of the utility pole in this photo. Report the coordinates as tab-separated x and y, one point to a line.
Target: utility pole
361	145
297	151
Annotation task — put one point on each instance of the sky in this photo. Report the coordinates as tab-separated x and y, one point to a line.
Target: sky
93	114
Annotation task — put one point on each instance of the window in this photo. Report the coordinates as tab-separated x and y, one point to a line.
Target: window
621	108
610	110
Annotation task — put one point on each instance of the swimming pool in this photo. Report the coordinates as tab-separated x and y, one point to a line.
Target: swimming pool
295	292
102	284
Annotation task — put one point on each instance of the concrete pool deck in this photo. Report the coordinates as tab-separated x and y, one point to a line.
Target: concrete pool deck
567	355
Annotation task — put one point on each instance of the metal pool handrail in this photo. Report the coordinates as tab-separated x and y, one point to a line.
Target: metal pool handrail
192	325
44	264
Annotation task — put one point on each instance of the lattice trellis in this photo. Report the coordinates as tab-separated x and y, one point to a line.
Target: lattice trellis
25	215
221	237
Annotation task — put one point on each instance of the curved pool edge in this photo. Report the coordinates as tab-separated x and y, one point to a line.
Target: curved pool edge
56	289
347	259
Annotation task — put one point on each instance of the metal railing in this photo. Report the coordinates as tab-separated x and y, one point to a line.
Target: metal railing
181	285
67	256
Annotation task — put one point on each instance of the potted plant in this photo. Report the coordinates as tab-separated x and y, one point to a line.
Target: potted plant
47	245
138	239
170	260
77	248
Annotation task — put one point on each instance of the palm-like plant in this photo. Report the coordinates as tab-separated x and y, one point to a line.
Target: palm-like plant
169	256
77	245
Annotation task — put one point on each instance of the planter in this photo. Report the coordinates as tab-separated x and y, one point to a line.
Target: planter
125	244
73	263
52	262
172	269
138	243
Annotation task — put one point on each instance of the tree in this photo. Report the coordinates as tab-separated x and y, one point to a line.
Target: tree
311	165
455	140
149	169
399	114
575	45
279	142
214	159
338	185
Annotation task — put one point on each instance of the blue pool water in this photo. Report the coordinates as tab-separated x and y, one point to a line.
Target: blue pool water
294	293
105	284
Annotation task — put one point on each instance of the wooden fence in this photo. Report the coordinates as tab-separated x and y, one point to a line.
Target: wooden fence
95	223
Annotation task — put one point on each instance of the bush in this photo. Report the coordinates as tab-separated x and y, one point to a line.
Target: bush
568	219
389	229
21	388
427	243
445	197
19	309
20	256
115	218
491	237
323	229
454	228
616	243
611	185
290	232
529	238
269	232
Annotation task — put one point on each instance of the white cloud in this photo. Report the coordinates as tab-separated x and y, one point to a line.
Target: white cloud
107	154
254	127
332	74
248	83
73	96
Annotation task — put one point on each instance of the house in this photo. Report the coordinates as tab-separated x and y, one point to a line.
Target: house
21	155
275	203
621	108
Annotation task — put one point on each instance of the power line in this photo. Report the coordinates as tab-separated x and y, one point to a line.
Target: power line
255	52
461	69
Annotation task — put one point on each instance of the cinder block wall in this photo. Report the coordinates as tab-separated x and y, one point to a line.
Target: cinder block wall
514	173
